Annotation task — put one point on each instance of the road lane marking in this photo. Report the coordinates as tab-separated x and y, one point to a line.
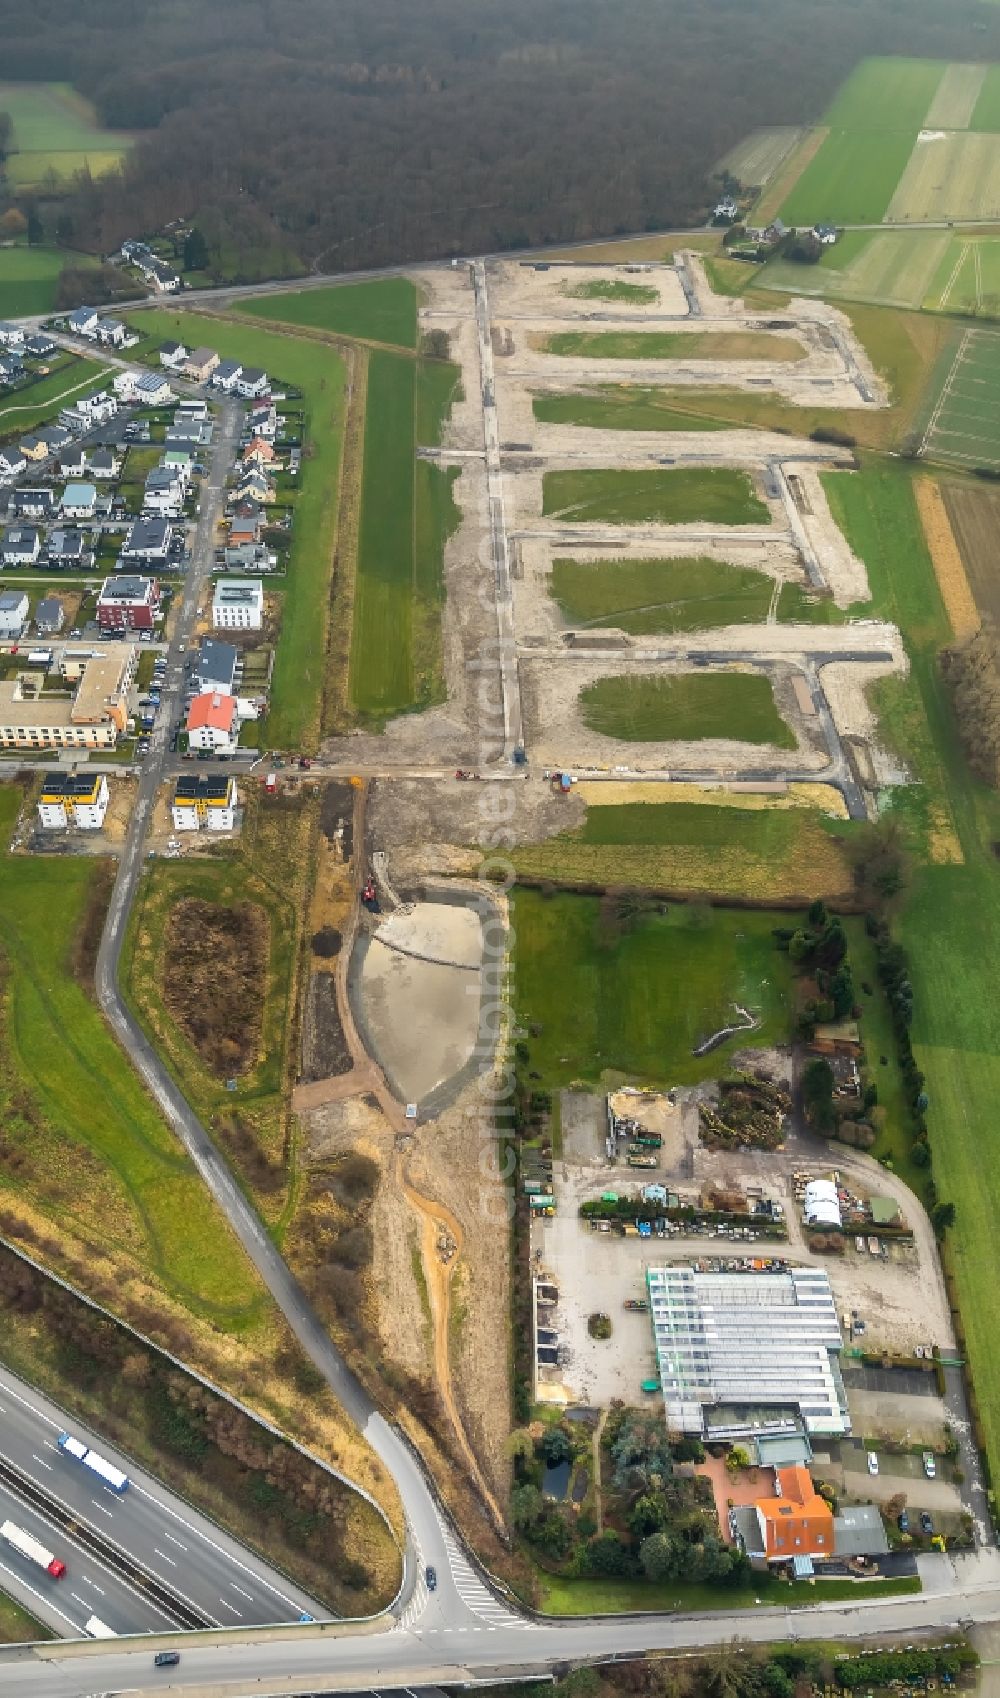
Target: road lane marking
174	1541
231	1607
42	1463
157	1552
80	1600
42	1598
85	1578
239	1589
103	1509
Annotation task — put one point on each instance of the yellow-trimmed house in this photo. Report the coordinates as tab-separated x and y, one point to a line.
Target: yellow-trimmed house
70	798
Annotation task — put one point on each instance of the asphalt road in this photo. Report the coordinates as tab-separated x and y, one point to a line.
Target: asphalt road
172	1542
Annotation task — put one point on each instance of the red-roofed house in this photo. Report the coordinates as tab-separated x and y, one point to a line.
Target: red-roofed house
797	1522
212	723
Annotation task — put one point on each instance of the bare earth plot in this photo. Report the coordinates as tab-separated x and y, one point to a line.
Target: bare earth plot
754	161
964	428
955	99
950	174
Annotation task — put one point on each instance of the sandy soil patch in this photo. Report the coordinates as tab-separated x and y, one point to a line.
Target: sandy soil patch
846	685
843	572
418	996
955	97
610	793
538	290
949	569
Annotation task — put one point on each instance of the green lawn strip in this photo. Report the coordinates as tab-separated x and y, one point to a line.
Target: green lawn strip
671	345
300	657
637	996
600	289
852	178
951	922
563	1597
28	278
701	593
714	494
438	386
620	408
437	517
885	94
17	1626
721	851
384	310
382	661
88	1099
690	707
41	401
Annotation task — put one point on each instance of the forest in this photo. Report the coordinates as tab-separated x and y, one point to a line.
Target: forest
350	133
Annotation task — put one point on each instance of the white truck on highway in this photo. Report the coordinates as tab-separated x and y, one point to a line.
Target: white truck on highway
97	1464
99	1629
32	1549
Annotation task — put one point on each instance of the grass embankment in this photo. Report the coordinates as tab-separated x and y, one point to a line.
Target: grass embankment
639	595
692	707
712	851
559	1597
407	513
17	1627
271	870
713	495
674	345
82	1140
634	994
40	402
384	310
300	659
619	407
950	924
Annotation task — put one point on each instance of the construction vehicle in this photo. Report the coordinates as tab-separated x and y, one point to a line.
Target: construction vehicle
648	1140
369	896
638	1157
639	1304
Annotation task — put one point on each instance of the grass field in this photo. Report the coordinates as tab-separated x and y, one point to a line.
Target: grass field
619	407
382	660
438	386
949	175
612	289
716	851
16	1625
673	345
384	310
563	1597
888	267
964	426
690	707
28	278
986	112
640	595
967	279
41	401
755	160
715	494
93	1149
885	94
297	685
956	97
637	996
56	129
852	178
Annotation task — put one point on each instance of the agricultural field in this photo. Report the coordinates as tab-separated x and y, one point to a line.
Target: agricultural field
384	310
714	494
754	161
767	853
986	113
968	278
964	426
887	267
81	1139
949	175
852	178
634	294
639	595
886	94
690	707
635	994
382	658
673	345
40	402
56	131
619	407
956	98
318	371
28	278
438	387
974	513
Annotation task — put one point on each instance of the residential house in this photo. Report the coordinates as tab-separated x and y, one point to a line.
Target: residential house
128	602
726	210
144	388
69	798
188	434
11	368
261	452
238	605
21	546
38	345
79	501
251	382
226	375
55	436
204	804
215	668
212	723
164	492
179	461
11	335
34	448
250	557
92	410
163	278
201	364
244	524
12	464
795	1522
32	502
65	548
173	355
191	411
72	460
136	252
50	616
262	421
148	541
103	463
111	332
83	322
254	485
13	613
825	233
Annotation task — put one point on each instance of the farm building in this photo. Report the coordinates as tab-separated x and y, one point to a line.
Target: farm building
742	1354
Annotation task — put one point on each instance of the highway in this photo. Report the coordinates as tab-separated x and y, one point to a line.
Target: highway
224	1582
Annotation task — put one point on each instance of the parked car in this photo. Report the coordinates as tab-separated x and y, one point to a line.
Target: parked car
930	1466
903	1521
872	1462
432	1580
926	1524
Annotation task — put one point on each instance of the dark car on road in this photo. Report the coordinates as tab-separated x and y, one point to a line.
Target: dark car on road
166	1659
432	1580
